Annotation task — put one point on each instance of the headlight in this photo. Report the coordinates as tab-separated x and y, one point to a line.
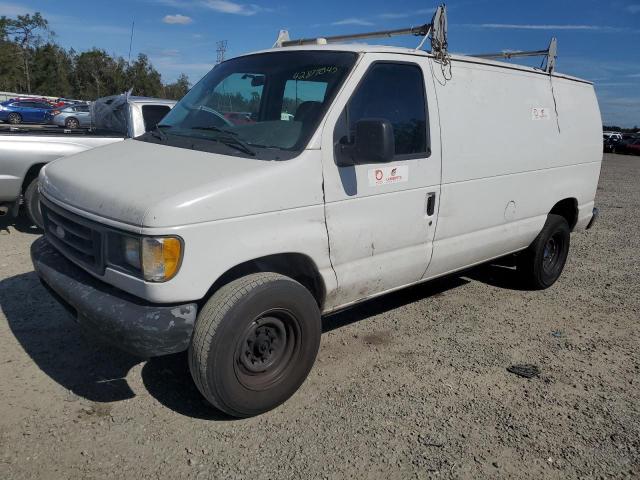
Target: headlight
155	259
160	258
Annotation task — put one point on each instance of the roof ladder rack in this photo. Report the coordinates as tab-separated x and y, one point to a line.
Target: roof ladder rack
436	29
550	53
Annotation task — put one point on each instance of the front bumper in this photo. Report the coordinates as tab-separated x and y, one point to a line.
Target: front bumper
594	218
141	328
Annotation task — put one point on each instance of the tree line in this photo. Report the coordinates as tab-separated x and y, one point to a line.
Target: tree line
31	62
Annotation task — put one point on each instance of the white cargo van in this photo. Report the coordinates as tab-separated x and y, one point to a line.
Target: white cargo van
357	171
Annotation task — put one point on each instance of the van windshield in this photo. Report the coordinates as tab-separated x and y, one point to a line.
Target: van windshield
265	106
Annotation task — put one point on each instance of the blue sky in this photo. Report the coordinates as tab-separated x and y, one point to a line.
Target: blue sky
598	40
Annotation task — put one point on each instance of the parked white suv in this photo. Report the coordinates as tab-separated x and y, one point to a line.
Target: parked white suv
359	170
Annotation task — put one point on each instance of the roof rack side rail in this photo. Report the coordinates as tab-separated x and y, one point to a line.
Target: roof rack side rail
439	19
550	53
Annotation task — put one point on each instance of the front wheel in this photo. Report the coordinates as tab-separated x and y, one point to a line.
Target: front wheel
32	204
542	263
254	343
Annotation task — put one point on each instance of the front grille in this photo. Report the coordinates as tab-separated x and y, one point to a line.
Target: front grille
77	238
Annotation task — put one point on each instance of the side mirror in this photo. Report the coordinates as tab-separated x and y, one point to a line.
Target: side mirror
374	143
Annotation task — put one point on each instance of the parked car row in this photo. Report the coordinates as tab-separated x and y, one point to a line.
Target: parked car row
622	143
19	111
64	113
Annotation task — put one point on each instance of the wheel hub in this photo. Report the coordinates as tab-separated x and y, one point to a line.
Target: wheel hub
264	344
550	250
551	254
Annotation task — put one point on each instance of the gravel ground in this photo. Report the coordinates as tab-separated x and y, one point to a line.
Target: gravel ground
412	385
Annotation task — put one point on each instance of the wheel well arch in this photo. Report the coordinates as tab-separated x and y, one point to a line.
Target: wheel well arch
32	173
567	208
298	266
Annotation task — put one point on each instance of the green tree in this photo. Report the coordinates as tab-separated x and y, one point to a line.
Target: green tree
178	89
11	77
52	69
27	31
144	79
98	74
28	64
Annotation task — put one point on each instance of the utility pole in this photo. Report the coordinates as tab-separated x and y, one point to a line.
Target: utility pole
221	50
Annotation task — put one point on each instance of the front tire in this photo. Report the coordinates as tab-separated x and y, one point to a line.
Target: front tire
254	343
32	204
542	263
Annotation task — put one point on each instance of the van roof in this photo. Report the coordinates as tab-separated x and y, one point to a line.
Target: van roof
367	48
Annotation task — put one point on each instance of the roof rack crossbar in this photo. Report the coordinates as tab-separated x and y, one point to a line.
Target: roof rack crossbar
419	31
434	29
551	53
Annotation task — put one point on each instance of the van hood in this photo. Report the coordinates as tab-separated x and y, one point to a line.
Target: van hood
150	185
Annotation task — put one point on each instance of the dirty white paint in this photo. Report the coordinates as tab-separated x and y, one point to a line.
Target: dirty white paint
365	236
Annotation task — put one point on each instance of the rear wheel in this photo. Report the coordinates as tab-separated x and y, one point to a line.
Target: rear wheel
32	203
542	263
72	123
254	343
14	118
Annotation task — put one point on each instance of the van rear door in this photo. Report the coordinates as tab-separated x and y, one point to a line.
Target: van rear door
381	217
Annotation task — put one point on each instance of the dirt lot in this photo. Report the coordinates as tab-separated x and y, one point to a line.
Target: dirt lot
412	385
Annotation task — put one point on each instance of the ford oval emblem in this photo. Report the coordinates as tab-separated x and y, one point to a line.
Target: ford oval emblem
59	232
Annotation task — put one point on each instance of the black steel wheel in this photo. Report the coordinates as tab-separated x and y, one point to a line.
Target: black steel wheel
254	343
14	118
542	263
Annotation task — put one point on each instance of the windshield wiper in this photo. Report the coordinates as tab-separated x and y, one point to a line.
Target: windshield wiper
158	133
230	139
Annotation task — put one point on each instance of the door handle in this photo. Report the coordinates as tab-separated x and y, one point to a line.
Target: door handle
431	203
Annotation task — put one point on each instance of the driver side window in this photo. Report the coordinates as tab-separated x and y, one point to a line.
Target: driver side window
393	92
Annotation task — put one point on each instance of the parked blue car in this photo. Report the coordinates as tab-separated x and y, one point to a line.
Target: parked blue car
25	111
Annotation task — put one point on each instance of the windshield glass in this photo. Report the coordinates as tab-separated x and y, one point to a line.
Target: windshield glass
266	105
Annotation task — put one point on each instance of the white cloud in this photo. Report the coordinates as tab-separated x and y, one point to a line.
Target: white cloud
13	9
226	6
584	28
177	19
513	26
353	21
170	52
393	15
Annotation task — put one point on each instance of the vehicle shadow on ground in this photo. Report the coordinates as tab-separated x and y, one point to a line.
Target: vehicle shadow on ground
21	224
85	366
97	372
500	273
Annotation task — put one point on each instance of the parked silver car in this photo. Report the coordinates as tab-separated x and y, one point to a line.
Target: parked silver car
73	116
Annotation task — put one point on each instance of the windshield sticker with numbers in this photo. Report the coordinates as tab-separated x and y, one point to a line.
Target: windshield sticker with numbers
388	175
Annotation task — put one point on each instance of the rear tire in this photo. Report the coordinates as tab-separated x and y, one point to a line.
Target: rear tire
254	343
32	204
15	118
542	263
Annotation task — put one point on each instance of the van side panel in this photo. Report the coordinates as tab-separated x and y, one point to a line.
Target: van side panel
508	158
